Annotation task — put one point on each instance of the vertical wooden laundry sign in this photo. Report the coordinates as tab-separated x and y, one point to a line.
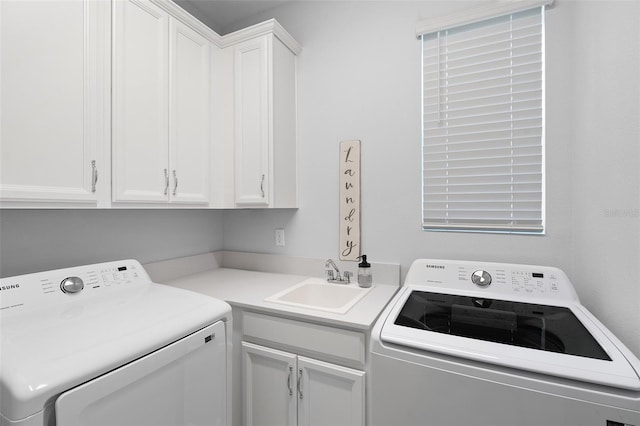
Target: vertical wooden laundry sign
349	200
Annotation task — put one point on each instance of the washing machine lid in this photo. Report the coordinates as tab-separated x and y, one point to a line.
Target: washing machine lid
528	325
517	316
51	341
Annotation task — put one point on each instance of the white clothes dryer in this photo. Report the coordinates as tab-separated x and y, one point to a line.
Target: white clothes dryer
470	343
103	345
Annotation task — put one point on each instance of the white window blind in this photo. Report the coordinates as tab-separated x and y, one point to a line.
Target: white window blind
483	125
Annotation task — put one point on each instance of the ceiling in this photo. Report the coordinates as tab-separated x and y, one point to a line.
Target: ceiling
221	15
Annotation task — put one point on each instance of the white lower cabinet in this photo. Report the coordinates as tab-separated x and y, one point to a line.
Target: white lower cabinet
282	388
329	394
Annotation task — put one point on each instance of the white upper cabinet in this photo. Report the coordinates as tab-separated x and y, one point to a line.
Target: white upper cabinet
136	103
190	111
54	101
140	102
264	72
251	64
161	107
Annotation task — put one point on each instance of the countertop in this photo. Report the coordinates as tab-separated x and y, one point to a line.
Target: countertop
249	289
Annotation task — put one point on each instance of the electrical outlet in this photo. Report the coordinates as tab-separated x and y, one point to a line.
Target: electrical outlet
280	237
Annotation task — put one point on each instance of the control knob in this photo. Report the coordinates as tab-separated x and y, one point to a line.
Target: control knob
71	285
481	278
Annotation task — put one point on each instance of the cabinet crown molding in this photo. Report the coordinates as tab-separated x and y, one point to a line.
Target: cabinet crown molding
270	26
186	18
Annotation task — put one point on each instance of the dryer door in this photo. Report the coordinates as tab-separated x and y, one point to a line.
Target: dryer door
184	383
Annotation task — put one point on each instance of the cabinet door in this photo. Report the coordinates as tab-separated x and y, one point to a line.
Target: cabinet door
140	102
329	394
53	98
190	115
269	386
251	74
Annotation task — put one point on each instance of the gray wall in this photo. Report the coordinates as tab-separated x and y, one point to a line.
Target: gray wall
606	153
38	240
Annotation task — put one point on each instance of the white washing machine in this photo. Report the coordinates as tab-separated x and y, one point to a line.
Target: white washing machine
103	345
465	343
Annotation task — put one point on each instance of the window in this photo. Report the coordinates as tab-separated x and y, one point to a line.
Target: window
483	124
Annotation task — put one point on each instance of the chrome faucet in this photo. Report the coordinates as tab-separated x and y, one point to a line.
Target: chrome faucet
333	275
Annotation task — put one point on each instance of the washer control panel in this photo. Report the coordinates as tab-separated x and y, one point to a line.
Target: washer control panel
63	285
72	285
481	278
492	279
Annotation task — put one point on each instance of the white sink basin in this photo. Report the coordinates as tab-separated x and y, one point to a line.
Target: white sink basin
319	295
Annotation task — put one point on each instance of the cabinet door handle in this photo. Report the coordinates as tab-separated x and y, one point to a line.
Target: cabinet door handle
300	383
166	181
175	180
289	381
262	186
94	176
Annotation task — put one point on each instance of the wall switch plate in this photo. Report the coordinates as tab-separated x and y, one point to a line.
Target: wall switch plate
280	237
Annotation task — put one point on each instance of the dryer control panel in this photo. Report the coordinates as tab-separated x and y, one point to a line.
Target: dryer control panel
492	279
63	285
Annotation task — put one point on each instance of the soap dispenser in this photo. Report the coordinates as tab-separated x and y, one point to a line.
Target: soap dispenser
364	272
